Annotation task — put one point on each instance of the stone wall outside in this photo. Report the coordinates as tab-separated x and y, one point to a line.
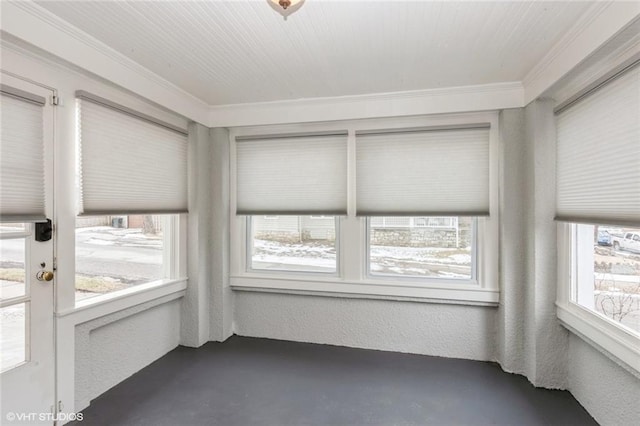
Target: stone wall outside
420	237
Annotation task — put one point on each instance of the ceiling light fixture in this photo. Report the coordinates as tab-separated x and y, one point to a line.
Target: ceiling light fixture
285	7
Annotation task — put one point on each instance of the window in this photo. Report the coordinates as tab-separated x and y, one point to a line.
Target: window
132	184
425	247
12	259
13	323
600	300
369	208
292	243
607	273
22	200
118	252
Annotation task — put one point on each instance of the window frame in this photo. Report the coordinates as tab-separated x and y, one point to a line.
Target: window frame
249	261
474	260
617	343
174	262
603	333
352	280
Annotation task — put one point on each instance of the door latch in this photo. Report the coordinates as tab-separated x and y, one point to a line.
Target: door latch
43	230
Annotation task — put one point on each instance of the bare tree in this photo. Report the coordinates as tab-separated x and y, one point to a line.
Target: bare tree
618	304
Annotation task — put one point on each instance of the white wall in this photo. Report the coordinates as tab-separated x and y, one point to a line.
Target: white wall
221	319
522	334
92	356
111	348
423	328
513	244
197	309
458	331
545	339
610	393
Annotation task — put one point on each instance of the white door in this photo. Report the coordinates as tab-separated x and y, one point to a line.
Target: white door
26	266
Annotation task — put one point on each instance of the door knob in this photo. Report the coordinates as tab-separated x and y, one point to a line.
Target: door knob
44	276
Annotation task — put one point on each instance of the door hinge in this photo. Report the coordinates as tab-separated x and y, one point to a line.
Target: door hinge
55	100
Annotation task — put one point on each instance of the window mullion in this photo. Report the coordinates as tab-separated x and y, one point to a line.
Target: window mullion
352	248
352	239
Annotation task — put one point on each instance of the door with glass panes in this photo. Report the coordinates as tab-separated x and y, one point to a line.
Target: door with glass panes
27	273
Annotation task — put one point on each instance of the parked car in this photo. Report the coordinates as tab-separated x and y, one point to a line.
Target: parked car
604	238
630	242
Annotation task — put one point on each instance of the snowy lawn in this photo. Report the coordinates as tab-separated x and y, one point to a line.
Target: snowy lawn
317	255
321	256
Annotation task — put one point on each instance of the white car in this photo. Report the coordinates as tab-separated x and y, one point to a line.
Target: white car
630	242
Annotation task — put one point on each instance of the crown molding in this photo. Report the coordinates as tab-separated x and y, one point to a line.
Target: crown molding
484	97
65	41
625	46
599	24
38	27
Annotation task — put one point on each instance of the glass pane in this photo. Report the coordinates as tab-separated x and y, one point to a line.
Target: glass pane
12	269
117	252
439	247
609	273
293	243
12	335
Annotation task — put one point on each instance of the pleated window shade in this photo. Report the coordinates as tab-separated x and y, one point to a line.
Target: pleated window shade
423	173
299	175
21	159
129	165
598	155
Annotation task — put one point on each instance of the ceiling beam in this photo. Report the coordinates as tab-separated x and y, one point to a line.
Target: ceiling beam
485	97
598	25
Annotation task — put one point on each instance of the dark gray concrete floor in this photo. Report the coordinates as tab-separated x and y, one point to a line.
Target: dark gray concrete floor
246	381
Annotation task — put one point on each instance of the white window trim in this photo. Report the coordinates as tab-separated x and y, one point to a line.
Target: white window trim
302	273
110	303
174	255
448	281
618	343
352	280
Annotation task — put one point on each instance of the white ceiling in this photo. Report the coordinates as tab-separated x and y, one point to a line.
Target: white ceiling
243	52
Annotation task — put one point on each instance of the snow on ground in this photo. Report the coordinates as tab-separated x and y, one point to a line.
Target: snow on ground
122	237
313	254
617	278
321	256
439	255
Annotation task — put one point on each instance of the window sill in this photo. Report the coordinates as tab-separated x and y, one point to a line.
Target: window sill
95	307
622	346
462	294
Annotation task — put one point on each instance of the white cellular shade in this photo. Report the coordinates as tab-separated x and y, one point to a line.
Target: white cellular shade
292	175
598	158
21	160
425	173
129	165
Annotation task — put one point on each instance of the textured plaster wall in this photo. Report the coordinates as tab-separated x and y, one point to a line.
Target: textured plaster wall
547	339
221	295
196	305
432	329
111	348
513	241
523	334
531	340
609	392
